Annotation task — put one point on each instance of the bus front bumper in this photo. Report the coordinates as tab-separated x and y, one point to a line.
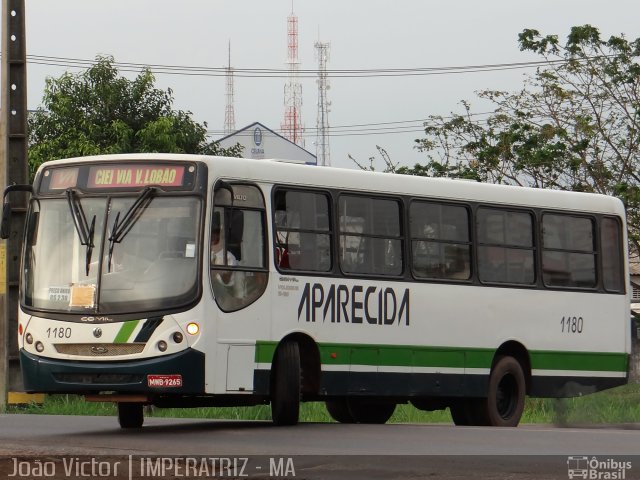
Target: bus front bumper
179	373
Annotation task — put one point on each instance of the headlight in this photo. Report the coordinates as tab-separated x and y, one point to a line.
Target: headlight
193	328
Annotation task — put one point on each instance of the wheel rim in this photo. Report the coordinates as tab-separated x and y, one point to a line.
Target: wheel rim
507	396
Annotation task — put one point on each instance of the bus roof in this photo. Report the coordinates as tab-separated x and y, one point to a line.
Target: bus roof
277	171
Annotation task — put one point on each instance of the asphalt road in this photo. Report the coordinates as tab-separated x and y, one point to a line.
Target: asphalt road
318	450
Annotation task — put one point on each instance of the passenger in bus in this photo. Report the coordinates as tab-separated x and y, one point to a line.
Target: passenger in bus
458	267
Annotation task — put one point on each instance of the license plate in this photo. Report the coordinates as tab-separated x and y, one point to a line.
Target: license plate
164	381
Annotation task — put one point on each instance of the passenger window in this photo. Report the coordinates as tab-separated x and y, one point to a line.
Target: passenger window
568	255
440	244
611	241
302	231
370	235
237	252
505	246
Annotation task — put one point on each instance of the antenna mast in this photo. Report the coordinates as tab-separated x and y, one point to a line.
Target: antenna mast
322	122
292	123
229	112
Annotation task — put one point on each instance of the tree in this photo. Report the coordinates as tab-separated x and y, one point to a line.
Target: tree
99	112
389	166
575	125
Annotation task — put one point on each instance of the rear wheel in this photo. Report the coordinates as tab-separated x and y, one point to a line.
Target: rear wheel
460	412
286	385
339	410
366	410
360	410
504	403
130	415
506	395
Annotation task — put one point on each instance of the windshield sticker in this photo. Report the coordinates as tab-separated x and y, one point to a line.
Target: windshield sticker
190	250
82	296
59	294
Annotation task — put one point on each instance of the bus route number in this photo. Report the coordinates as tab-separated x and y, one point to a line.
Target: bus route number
571	324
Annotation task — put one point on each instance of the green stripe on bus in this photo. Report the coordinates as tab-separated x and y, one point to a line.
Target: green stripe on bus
265	351
583	361
404	356
125	331
449	357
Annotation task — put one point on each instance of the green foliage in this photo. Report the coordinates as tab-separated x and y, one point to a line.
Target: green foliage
575	125
99	112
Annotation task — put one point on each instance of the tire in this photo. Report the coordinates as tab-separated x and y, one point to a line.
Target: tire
130	415
477	412
365	410
338	408
506	394
459	410
504	404
286	385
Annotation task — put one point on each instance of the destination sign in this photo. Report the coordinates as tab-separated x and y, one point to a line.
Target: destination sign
63	178
108	176
120	176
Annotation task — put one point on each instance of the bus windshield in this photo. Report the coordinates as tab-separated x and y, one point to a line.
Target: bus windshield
149	264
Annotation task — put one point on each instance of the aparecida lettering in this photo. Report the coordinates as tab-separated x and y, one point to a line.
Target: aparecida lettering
357	304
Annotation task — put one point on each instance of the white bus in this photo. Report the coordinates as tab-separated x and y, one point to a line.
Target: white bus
177	280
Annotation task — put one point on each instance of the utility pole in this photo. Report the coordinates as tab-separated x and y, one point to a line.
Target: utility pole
13	169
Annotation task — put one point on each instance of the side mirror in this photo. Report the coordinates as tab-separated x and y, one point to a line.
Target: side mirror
5	226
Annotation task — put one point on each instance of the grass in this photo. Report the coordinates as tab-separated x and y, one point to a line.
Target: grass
618	405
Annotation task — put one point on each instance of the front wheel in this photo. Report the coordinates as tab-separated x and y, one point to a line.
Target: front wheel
130	415
286	385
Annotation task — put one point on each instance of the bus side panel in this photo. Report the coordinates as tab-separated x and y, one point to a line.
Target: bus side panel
428	339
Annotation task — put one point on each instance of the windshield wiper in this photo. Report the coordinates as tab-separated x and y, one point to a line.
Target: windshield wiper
120	229
85	232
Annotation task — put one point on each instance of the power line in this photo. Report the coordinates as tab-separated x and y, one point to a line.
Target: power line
334	131
377	130
397	126
280	73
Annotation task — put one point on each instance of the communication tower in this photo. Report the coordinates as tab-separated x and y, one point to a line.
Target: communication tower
229	112
322	122
292	124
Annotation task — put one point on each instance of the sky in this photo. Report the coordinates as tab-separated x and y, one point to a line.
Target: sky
363	34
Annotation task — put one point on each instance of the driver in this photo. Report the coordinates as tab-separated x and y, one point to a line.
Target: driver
218	255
